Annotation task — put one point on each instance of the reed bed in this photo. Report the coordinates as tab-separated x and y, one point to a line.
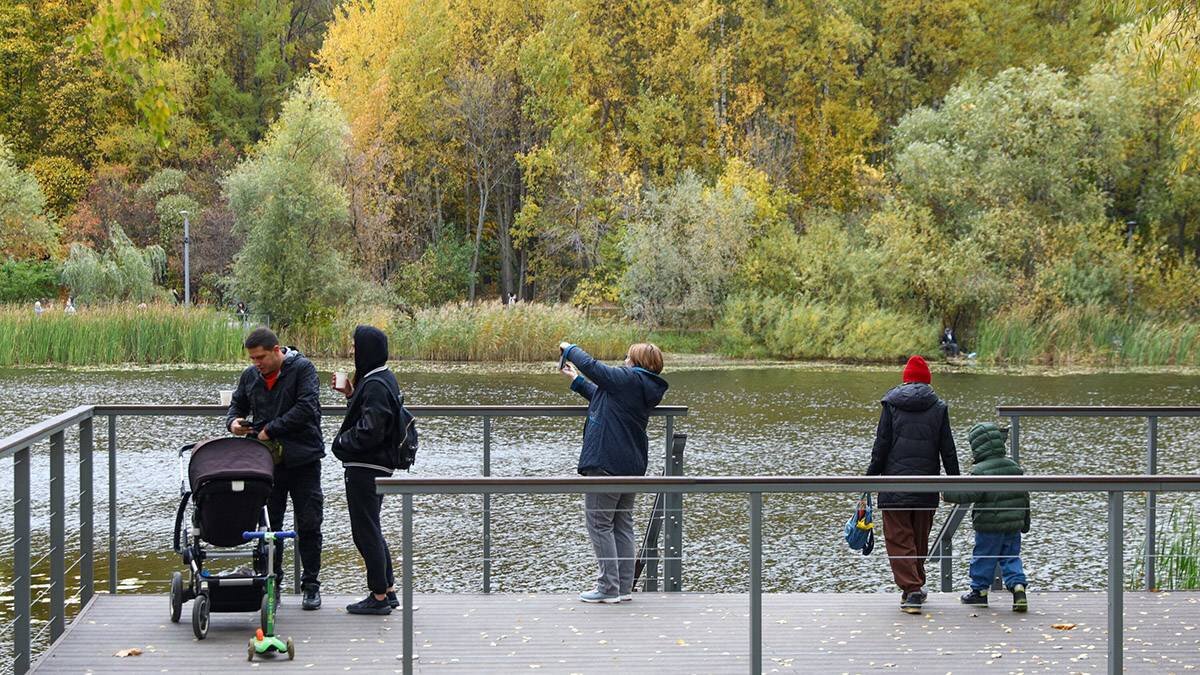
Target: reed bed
1087	337
492	331
159	334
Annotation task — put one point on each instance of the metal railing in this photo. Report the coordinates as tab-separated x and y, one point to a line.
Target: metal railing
757	486
941	548
19	447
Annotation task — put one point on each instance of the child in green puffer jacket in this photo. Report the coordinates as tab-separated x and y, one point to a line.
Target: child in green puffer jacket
999	519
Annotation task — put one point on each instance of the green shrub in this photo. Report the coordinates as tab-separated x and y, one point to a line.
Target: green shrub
27	280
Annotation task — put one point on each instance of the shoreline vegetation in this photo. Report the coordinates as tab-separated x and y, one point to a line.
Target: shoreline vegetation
1074	340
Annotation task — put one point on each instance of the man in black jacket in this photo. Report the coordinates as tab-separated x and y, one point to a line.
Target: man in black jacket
913	434
277	400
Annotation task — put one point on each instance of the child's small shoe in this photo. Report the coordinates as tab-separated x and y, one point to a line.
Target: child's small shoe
1020	601
975	597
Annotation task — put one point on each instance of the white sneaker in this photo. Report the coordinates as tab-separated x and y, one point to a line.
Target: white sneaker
595	596
628	597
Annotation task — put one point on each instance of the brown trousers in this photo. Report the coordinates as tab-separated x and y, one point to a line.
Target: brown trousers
906	533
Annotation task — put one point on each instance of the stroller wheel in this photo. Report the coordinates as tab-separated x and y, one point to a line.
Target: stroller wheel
291	650
200	617
176	596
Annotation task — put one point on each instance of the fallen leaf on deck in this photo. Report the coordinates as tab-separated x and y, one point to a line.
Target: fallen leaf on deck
1063	626
133	651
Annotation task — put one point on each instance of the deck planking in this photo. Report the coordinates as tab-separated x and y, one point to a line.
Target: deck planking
657	633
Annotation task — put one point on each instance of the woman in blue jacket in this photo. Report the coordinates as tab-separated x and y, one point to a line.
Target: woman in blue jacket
614	444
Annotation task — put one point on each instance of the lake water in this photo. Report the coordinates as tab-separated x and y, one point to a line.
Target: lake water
743	420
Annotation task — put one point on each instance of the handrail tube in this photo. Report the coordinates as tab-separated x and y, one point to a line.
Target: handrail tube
1097	411
43	430
1015	412
756	487
786	484
205	410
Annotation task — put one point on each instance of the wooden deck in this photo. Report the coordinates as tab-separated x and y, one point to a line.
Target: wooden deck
683	633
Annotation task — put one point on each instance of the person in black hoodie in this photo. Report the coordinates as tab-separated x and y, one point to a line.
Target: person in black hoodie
913	434
363	444
280	394
614	444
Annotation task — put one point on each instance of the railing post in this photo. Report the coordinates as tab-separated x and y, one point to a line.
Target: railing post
1151	501
487	507
1116	582
756	583
406	571
112	504
673	522
295	566
86	513
1014	437
58	534
22	600
946	553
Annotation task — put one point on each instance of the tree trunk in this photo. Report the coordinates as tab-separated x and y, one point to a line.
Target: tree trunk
483	204
503	222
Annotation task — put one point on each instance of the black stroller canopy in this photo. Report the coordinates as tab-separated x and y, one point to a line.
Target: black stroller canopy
230	459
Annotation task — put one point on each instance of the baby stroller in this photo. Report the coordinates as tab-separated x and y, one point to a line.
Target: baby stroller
226	484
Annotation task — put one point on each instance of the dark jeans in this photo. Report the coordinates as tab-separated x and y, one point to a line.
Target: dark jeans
303	483
364	504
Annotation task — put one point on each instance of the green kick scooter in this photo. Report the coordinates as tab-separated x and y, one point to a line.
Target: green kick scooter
265	641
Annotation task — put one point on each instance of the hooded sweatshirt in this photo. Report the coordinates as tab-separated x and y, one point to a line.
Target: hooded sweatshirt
1004	512
619	405
368	432
913	434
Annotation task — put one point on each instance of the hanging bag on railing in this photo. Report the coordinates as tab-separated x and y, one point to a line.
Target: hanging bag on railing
860	528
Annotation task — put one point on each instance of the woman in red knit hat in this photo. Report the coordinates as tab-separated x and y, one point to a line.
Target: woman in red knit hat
913	434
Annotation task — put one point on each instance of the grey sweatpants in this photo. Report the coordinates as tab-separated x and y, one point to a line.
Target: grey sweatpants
610	527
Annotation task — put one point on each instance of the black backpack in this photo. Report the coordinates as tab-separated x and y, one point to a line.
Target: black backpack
404	451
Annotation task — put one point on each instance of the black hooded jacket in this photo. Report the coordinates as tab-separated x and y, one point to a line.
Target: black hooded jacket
368	432
912	436
290	411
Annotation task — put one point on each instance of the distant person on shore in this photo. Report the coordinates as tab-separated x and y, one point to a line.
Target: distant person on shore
70	307
913	434
999	519
277	400
614	444
364	445
948	343
243	313
37	308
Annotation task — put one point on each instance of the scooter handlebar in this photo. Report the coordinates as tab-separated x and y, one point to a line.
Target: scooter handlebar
286	534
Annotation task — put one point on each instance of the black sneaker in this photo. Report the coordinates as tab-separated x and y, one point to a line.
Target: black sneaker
312	597
369	605
977	598
911	603
392	600
1020	601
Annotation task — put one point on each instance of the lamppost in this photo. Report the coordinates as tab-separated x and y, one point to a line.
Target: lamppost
187	271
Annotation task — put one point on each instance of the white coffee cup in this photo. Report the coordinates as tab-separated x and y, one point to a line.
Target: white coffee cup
340	380
226	397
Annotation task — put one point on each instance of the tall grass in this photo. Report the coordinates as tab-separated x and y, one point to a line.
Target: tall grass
119	334
1177	550
1086	337
495	332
